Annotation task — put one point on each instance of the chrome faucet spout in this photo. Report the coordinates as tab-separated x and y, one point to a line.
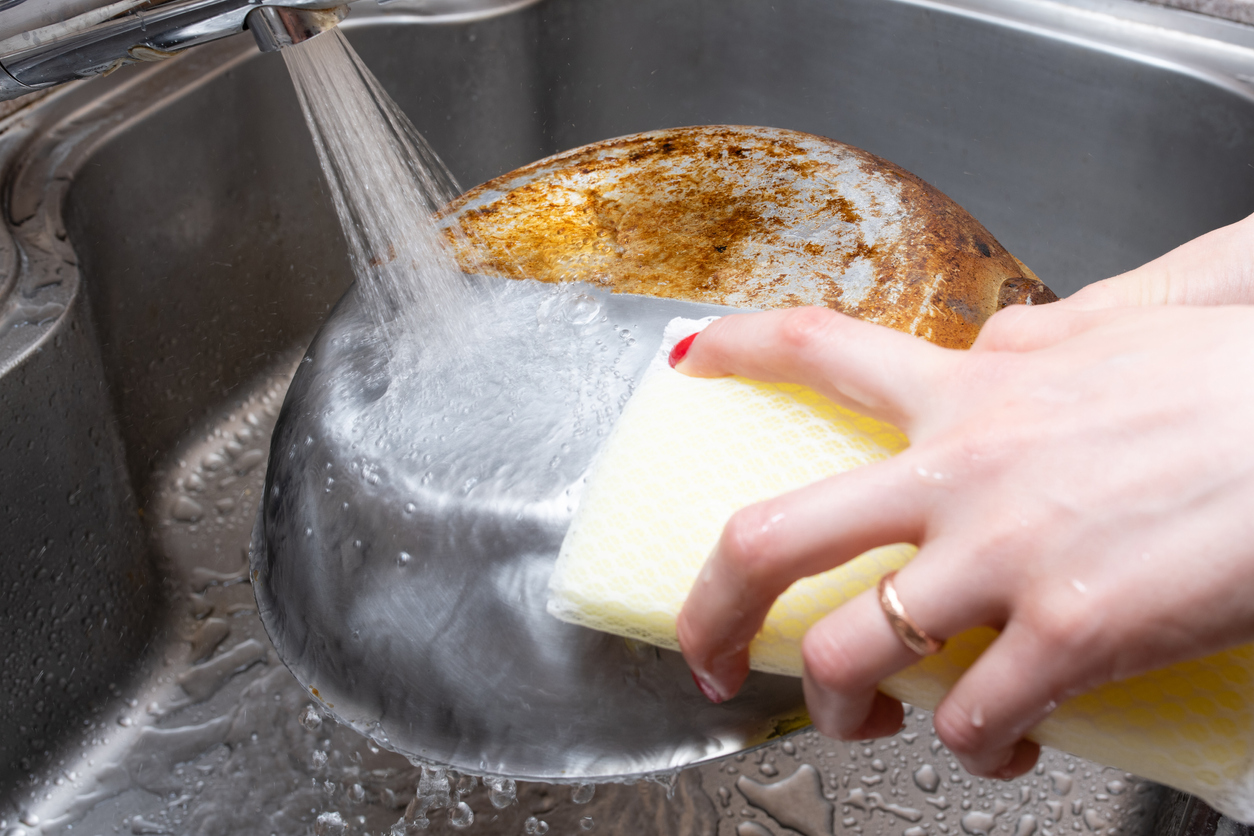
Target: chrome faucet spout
276	27
48	42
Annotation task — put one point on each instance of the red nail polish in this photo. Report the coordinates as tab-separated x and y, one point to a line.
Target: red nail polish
710	693
679	352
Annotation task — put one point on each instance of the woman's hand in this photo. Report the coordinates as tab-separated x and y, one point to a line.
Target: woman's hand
1215	269
1081	479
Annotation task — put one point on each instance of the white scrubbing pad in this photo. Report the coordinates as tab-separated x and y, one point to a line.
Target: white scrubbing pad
685	455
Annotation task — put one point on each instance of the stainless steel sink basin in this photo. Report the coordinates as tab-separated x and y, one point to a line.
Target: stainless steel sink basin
168	251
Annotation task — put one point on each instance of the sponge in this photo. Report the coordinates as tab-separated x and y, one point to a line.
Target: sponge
688	452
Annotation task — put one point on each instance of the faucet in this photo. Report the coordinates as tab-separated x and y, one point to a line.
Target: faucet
47	42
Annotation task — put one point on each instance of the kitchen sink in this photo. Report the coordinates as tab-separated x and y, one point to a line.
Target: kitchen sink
169	249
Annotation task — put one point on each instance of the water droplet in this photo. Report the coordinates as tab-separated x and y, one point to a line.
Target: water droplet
752	828
312	720
248	460
187	509
581	309
460	815
767	768
1094	819
410	507
977	823
1026	826
586	823
1115	787
141	826
1060	781
926	778
357	793
582	793
403	559
319	759
535	827
433	788
502	792
797	802
329	824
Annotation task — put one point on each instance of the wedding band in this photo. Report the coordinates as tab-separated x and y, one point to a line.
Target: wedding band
912	635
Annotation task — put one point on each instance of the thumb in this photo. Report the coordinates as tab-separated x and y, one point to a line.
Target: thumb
1020	328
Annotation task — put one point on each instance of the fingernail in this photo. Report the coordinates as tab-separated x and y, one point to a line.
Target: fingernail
680	351
707	689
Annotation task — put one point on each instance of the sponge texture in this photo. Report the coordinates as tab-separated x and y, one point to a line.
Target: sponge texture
688	452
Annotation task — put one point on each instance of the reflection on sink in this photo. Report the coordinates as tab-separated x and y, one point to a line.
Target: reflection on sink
169	251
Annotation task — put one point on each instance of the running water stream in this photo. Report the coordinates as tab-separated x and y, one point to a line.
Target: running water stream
386	184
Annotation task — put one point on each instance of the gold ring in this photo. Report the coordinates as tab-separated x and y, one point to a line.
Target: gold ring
912	635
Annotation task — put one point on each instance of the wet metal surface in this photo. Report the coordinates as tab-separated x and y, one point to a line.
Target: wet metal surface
403	578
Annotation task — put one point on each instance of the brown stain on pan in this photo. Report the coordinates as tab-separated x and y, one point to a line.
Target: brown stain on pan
752	217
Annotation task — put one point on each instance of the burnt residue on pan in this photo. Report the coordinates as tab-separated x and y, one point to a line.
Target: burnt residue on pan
751	217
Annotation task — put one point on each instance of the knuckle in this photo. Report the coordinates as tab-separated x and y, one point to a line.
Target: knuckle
1001	330
1018	328
801	329
1062	624
749	543
1069	631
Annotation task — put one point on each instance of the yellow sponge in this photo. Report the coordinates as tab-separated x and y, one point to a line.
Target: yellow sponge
688	452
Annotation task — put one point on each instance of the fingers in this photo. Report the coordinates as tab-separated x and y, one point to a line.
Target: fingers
865	367
1013	685
851	650
766	547
846	655
1213	269
984	718
1023	328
